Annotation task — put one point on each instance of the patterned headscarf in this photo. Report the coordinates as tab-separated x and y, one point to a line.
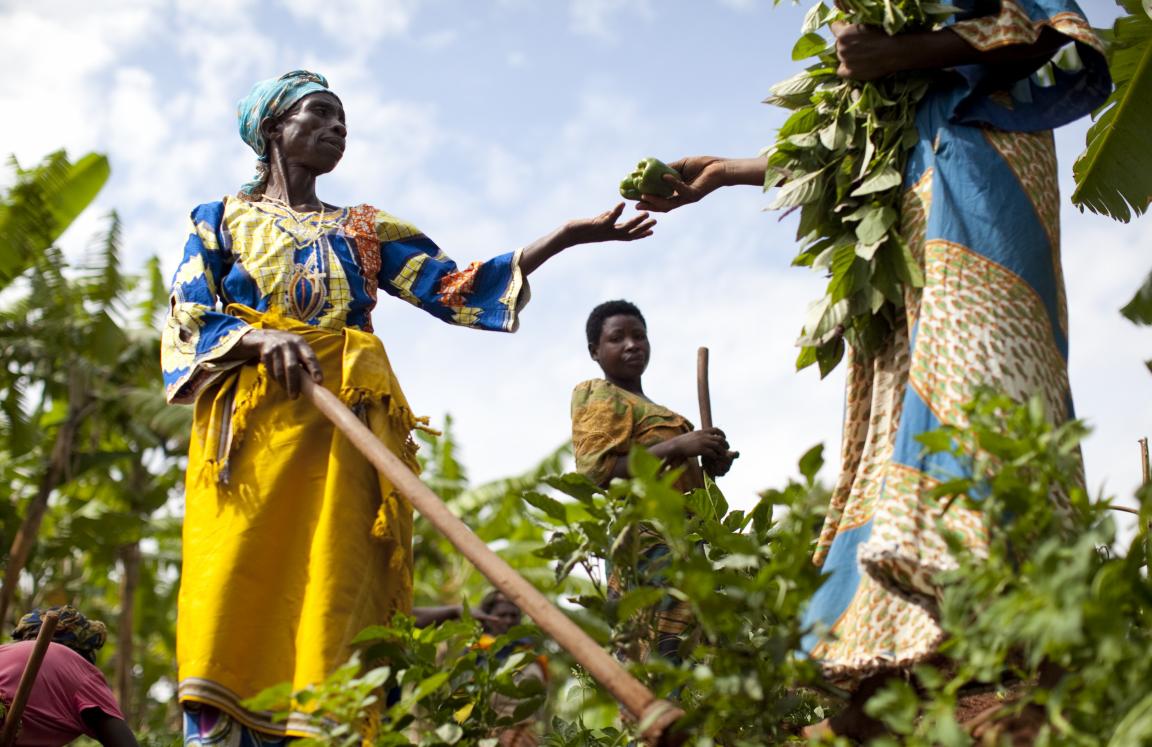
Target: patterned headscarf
75	631
271	98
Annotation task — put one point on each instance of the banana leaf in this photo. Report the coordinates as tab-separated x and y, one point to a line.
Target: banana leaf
1114	174
42	204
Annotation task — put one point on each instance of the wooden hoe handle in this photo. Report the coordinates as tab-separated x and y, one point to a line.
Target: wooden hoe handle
702	392
28	678
654	715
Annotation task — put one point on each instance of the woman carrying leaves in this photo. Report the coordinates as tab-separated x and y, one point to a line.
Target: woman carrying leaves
980	217
292	541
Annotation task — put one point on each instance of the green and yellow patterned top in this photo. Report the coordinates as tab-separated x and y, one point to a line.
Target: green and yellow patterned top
608	420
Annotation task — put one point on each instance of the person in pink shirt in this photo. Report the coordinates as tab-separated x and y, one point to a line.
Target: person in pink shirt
70	697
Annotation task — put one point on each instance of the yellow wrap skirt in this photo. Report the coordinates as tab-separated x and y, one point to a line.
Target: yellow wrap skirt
292	541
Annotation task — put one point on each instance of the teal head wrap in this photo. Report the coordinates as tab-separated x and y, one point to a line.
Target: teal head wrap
271	98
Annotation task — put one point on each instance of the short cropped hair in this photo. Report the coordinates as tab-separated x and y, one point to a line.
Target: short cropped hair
599	314
493	598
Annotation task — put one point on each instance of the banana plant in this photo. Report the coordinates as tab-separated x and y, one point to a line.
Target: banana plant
1114	173
42	203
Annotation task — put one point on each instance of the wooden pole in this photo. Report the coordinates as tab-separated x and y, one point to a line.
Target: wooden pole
1145	468
654	716
28	678
702	392
126	641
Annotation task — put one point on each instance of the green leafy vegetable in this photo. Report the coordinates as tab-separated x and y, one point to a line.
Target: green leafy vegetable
648	179
839	159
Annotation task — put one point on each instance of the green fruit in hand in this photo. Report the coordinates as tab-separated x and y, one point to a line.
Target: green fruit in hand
648	179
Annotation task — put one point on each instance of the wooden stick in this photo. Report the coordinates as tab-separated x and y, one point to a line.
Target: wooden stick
1145	468
28	678
702	392
654	716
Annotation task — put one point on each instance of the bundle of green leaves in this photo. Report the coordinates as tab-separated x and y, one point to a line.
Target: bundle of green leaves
839	159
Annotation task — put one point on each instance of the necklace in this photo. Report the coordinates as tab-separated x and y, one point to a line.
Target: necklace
288	206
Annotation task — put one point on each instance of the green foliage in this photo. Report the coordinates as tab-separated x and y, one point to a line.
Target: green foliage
42	203
1112	174
839	160
1139	309
1048	596
493	510
745	575
89	450
432	687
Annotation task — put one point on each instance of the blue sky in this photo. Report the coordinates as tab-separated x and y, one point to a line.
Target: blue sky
488	123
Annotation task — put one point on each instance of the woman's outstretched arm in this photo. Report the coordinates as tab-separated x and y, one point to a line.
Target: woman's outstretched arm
701	175
585	231
866	53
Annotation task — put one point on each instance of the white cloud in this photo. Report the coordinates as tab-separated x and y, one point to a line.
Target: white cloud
45	101
216	12
741	5
605	18
136	123
509	178
224	61
369	20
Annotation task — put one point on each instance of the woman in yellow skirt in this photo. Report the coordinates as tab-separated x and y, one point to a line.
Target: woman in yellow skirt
292	542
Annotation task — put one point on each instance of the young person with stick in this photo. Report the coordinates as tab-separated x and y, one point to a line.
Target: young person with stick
612	414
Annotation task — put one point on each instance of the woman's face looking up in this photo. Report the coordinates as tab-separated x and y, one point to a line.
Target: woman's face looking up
312	133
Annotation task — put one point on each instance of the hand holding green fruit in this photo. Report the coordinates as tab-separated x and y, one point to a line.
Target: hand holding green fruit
648	179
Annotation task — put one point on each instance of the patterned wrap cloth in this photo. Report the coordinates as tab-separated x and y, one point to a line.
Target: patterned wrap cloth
981	214
292	542
74	630
606	422
271	98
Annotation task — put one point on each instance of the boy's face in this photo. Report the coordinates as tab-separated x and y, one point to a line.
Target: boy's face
507	616
622	350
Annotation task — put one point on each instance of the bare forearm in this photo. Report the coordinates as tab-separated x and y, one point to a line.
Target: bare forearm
426	616
108	730
737	171
585	231
545	248
247	348
867	53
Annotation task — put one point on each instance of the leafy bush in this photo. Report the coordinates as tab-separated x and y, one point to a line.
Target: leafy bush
1051	606
745	574
1050	615
440	686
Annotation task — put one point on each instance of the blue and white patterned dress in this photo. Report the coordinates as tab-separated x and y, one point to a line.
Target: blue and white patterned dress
981	213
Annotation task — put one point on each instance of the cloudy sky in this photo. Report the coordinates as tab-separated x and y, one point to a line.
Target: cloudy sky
489	122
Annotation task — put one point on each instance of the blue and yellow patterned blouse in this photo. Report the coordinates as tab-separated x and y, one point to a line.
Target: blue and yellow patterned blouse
322	268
